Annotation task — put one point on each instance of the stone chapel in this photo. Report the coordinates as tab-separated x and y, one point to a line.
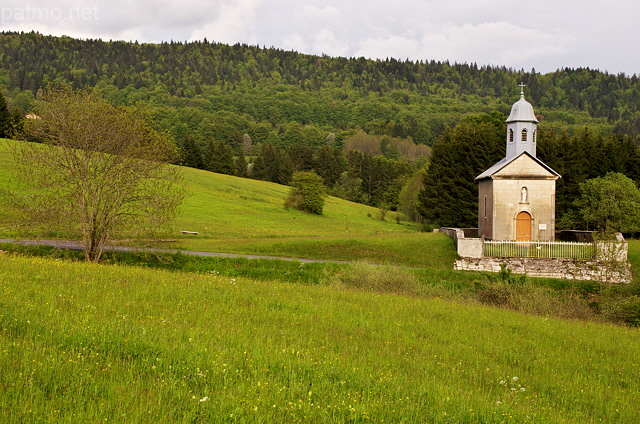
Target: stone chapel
517	195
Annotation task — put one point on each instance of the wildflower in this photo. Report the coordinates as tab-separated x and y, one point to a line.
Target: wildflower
515	378
204	399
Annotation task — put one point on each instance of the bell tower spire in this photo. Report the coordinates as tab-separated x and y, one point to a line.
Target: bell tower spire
522	128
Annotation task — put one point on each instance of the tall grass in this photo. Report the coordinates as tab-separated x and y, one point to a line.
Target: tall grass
88	343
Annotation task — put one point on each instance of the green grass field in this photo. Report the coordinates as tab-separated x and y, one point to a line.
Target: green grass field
174	338
103	343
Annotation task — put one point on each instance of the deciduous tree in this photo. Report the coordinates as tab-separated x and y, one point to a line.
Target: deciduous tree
610	203
307	192
101	171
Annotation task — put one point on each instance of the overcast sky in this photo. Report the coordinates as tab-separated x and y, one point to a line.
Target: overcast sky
541	34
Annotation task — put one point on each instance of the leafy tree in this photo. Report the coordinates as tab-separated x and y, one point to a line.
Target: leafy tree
246	144
24	102
408	197
307	192
610	203
101	170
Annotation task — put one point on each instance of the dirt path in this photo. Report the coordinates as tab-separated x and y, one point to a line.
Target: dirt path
76	245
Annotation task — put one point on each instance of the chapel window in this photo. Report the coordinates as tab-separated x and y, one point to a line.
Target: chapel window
524	134
533	136
485	207
510	135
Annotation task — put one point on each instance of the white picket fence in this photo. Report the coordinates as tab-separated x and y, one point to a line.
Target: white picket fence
538	249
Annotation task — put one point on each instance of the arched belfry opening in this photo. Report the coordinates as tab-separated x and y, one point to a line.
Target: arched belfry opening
516	196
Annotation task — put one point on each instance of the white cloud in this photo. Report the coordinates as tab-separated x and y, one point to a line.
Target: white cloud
294	42
496	43
322	15
325	42
235	22
395	46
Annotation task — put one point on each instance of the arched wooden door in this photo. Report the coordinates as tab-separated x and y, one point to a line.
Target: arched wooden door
523	227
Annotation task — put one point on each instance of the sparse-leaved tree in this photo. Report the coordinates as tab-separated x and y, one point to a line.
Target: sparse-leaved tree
101	171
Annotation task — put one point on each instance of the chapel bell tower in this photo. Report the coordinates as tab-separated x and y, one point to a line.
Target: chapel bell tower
522	127
517	195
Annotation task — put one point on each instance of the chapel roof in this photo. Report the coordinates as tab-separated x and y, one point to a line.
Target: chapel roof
522	111
489	173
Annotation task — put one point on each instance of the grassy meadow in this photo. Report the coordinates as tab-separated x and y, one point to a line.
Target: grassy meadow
147	337
87	343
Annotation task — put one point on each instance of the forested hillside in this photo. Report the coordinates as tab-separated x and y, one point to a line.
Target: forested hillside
365	126
255	89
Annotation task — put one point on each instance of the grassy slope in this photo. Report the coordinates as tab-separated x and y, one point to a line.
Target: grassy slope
247	216
83	342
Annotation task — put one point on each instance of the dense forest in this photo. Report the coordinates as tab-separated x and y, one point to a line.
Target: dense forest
365	126
254	89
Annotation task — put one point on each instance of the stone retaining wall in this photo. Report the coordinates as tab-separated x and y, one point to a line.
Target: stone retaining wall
570	269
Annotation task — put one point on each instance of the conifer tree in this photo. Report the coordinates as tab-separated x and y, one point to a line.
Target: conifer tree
219	158
273	165
6	119
329	164
450	194
241	165
191	154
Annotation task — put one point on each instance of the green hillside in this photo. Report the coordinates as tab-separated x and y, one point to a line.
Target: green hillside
238	215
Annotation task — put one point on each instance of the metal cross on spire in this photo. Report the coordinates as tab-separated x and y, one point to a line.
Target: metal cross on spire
522	85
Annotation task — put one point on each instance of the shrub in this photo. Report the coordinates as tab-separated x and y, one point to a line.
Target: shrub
510	292
622	310
307	193
377	278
